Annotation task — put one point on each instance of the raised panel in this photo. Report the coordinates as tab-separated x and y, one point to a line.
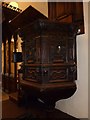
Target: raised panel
30	51
58	74
68	12
78	13
60	9
64	8
58	48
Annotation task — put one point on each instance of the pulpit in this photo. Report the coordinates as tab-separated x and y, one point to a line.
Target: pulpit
49	64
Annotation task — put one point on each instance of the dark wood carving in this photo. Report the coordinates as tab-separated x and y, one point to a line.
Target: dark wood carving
49	60
8	13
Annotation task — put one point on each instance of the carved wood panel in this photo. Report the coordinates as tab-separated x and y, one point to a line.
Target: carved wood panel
49	60
50	53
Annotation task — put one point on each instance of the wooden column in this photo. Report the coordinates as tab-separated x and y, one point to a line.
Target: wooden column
9	54
4	71
4	57
15	64
9	62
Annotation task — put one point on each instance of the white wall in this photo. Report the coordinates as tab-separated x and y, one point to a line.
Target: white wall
77	105
40	6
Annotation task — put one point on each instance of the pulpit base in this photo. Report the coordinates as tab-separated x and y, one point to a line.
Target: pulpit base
46	94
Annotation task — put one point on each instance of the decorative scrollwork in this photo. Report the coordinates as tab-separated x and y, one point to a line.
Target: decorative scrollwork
55	75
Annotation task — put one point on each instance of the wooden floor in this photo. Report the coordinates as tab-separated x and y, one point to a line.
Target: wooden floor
5	96
11	110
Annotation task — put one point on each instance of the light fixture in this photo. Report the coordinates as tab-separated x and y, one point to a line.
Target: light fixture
79	30
14	4
12	40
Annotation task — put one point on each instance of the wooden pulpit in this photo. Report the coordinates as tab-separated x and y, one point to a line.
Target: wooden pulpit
49	65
